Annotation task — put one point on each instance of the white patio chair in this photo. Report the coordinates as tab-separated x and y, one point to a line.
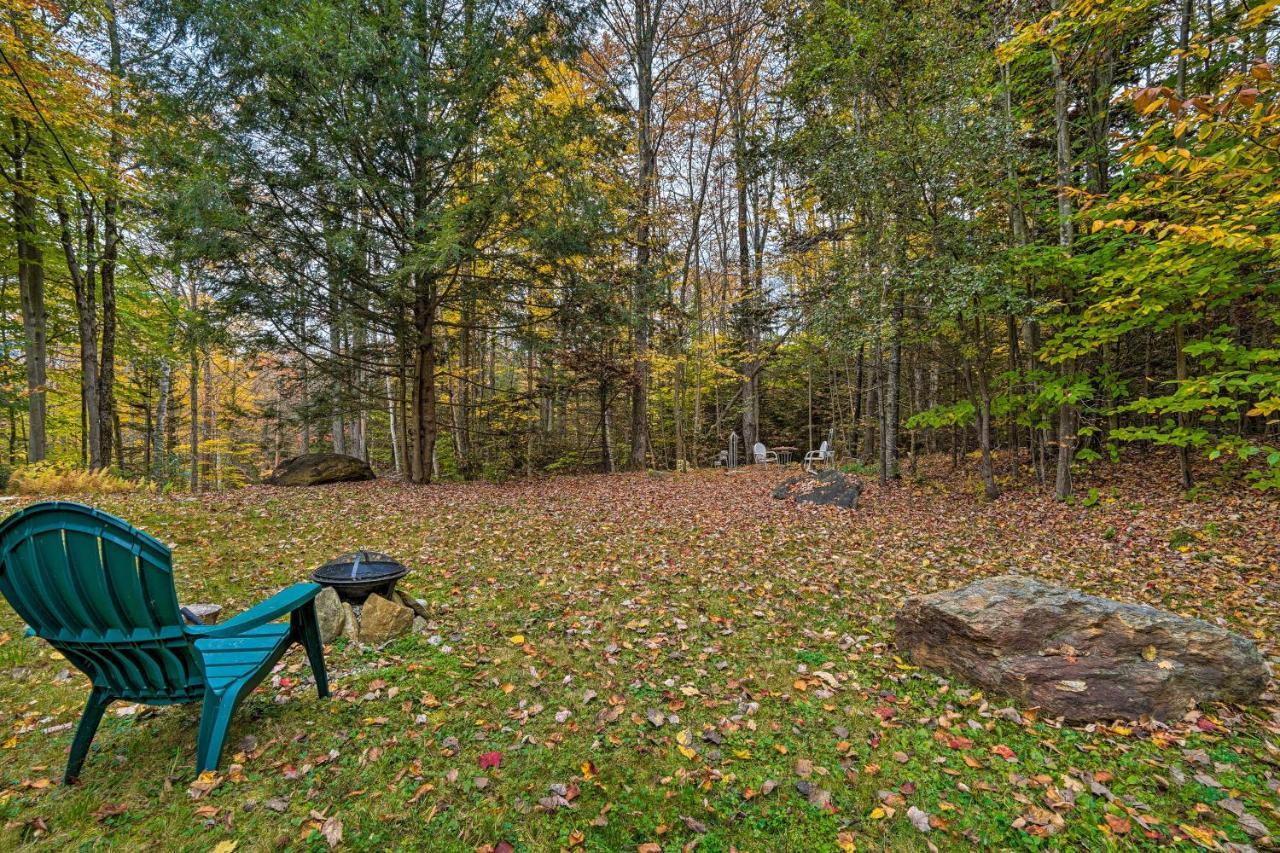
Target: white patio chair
824	455
763	454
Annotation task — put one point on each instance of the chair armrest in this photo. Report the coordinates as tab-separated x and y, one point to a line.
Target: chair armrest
281	604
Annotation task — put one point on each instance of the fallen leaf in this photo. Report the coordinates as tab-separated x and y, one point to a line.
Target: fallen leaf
919	819
1118	825
332	832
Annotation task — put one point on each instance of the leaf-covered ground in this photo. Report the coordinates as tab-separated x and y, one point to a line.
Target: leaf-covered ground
649	662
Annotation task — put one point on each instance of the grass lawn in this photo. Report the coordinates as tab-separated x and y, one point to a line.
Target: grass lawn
649	662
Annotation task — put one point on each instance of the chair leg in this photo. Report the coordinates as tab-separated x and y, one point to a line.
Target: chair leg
215	719
306	629
99	699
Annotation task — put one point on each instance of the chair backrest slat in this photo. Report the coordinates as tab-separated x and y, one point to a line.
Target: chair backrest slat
50	552
102	593
121	569
28	598
84	549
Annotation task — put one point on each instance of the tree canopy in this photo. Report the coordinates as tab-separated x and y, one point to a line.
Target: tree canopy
486	238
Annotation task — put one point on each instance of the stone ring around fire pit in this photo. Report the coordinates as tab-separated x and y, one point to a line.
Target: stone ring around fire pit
358	575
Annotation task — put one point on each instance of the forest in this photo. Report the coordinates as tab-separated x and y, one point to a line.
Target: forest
492	238
378	383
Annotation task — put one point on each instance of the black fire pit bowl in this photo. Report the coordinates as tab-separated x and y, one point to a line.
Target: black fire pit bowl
358	575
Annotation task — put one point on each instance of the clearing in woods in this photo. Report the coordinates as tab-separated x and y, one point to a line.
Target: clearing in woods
648	661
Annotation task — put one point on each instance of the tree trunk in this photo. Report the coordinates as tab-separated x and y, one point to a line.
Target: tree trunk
148	427
531	427
359	420
989	487
159	455
1015	361
857	400
1180	368
1066	414
677	411
337	424
870	408
210	430
193	388
119	441
647	168
892	380
402	401
462	418
748	296
34	320
423	441
304	392
82	287
106	410
1179	333
606	445
395	429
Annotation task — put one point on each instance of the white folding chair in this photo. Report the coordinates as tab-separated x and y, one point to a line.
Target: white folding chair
763	454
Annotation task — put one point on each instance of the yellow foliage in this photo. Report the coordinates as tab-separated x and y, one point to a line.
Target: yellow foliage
54	478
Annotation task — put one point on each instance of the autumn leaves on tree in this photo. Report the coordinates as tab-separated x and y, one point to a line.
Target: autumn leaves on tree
474	240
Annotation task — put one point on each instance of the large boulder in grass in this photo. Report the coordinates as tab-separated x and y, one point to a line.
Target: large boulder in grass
314	469
827	488
1078	656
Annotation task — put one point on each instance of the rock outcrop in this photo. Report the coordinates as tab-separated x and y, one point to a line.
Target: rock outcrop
828	488
314	469
1078	656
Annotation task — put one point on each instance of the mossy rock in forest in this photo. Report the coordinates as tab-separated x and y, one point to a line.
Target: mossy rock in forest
314	469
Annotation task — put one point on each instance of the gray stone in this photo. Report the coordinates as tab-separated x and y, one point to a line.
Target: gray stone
382	620
782	491
329	614
405	600
350	624
208	614
314	469
1075	655
833	489
420	625
827	488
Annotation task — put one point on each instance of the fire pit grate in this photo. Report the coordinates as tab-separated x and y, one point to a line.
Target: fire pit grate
358	575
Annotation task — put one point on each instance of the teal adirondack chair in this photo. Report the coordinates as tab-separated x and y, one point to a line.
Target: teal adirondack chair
101	593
